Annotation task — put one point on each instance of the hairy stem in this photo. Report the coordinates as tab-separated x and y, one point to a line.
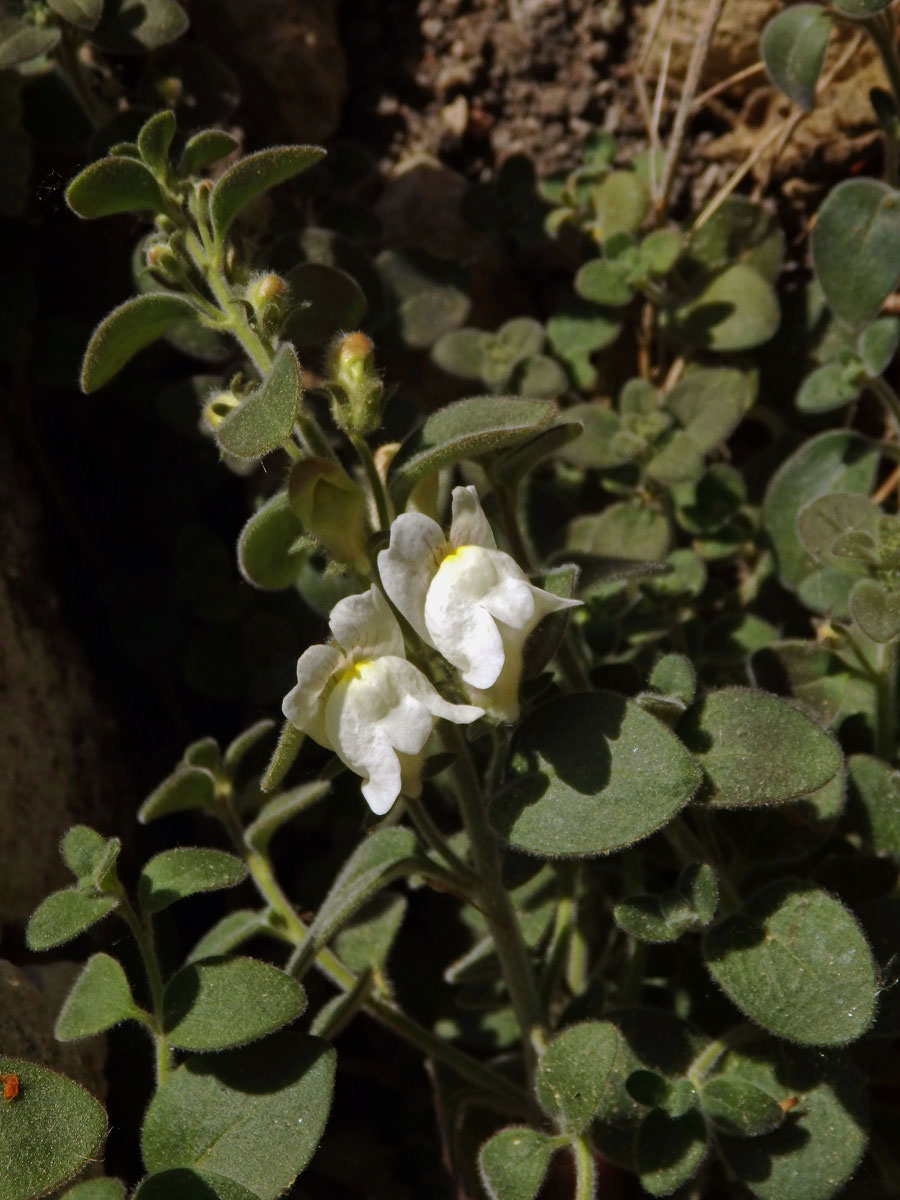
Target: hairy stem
585	1170
142	932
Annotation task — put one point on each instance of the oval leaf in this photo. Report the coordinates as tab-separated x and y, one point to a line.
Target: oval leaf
669	1150
793	48
757	749
114	185
126	330
48	1133
217	1003
99	999
592	773
20	42
252	176
64	915
797	963
513	1163
96	1189
856	247
135	26
268	555
83	13
187	1184
205	148
737	311
739	1107
574	1071
254	1115
876	792
267	416
876	610
188	787
174	874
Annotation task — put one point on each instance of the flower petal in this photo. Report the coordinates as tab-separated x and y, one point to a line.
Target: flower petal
303	705
409	564
469	525
365	624
459	624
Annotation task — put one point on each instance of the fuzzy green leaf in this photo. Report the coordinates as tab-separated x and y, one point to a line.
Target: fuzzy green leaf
856	247
82	13
188	1184
281	809
757	749
20	41
205	148
48	1133
63	916
253	1115
462	352
662	918
114	185
513	1163
605	283
674	675
626	530
797	963
620	203
383	856
861	8
669	1150
268	555
579	784
175	874
127	330
230	933
155	139
736	311
793	48
709	402
249	178
467	429
876	610
238	748
81	848
325	300
573	1073
100	998
740	1108
265	419
827	388
540	376
136	26
188	787
826	521
217	1003
818	1147
878	343
365	942
876	790
96	1189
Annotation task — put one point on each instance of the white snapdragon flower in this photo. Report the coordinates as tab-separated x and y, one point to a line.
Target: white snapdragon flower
466	598
364	701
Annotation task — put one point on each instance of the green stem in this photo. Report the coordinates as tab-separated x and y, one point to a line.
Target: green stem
73	69
435	840
379	494
142	932
585	1170
886	745
503	922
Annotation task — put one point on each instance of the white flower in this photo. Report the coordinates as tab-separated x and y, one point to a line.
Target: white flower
466	598
364	701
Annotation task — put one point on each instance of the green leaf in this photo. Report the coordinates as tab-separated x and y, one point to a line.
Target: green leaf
205	148
856	247
605	283
268	554
540	376
467	429
579	784
513	1163
254	175
573	1073
96	1189
231	932
824	524
861	8
669	1150
836	461
265	419
662	918
698	883
757	749
595	447
462	352
827	388
797	963
281	809
136	26
365	943
736	311
626	530
81	848
818	1147
575	331
254	1115
326	301
99	998
739	1107
127	330
876	791
217	1003
620	203
175	874
877	344
20	41
63	916
114	185
674	675
876	610
238	749
381	858
155	139
188	787
48	1133
793	48
82	13
187	1184
709	402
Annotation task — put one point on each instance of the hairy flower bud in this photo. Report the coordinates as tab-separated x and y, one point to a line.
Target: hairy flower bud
356	389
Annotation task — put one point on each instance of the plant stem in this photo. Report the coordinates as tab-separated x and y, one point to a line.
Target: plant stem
889	398
503	922
142	932
886	744
72	68
435	840
585	1172
379	494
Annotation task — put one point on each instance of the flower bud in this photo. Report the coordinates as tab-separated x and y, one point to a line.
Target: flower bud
163	264
332	509
267	296
218	408
357	393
